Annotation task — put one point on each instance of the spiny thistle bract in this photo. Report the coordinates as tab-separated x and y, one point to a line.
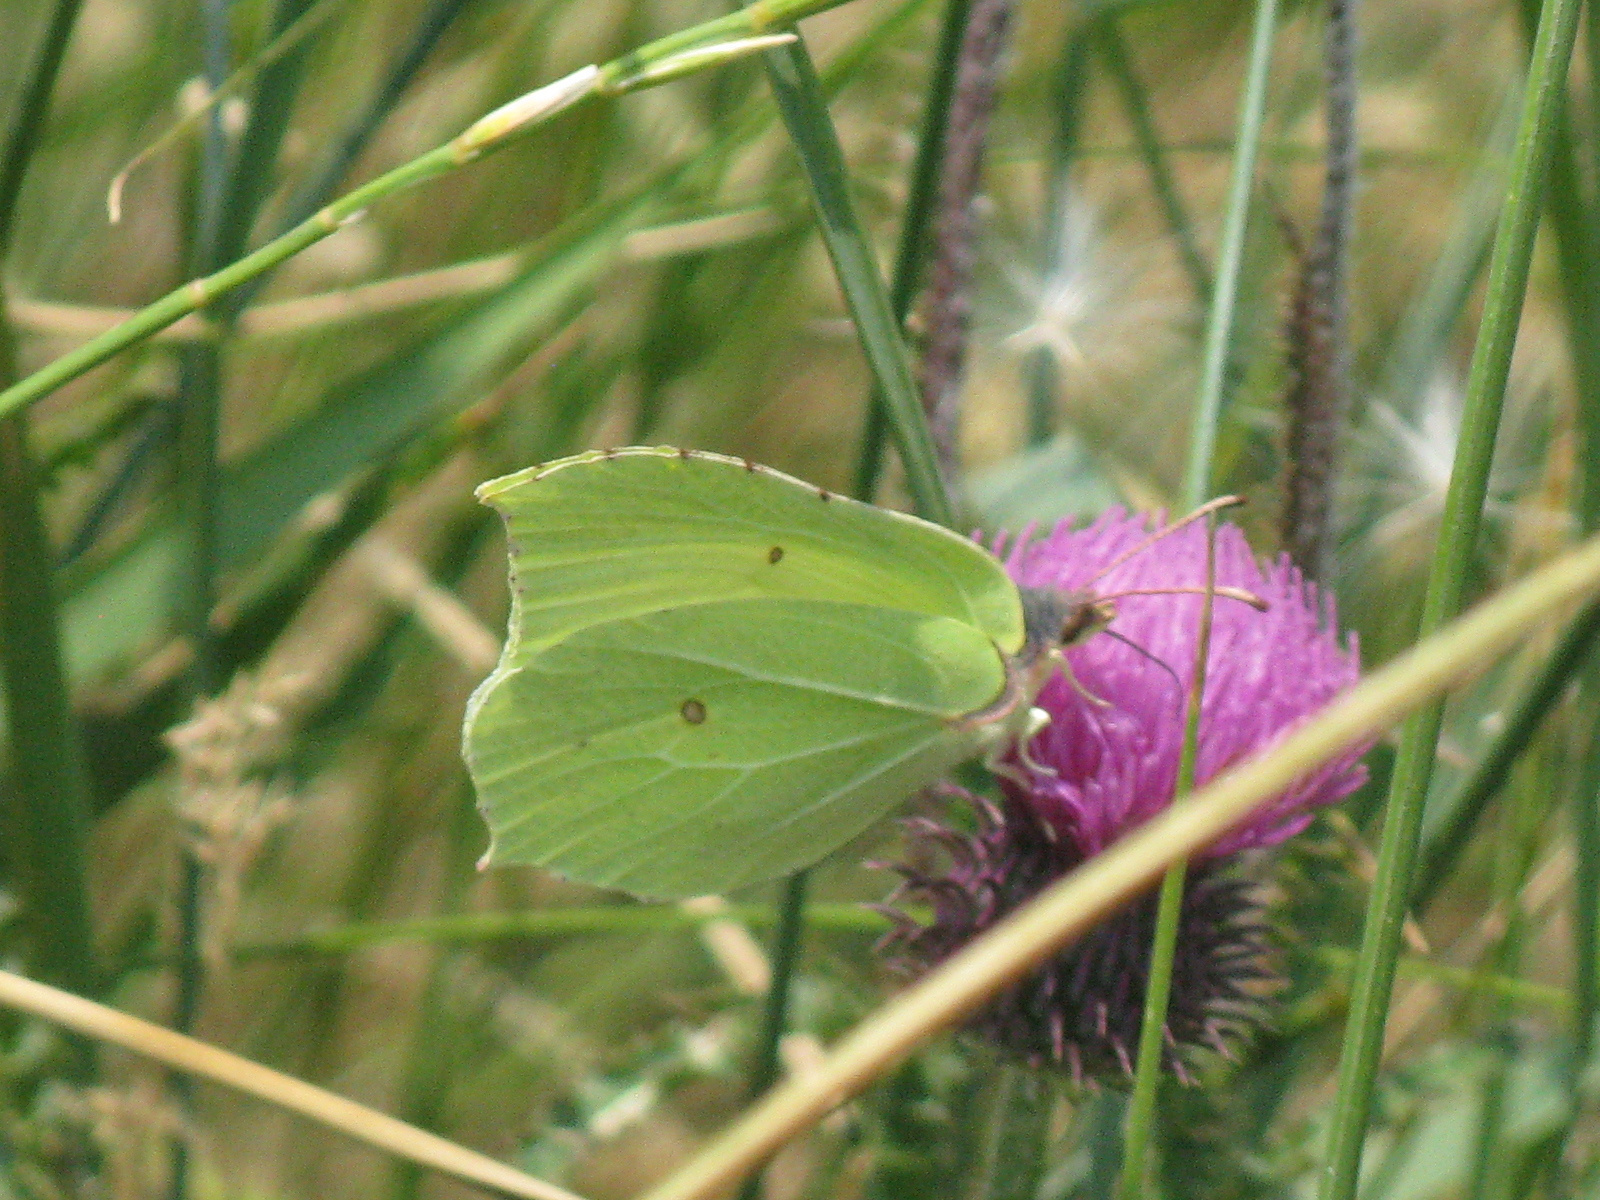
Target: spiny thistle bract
1107	762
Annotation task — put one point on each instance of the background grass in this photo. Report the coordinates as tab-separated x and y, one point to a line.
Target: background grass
647	268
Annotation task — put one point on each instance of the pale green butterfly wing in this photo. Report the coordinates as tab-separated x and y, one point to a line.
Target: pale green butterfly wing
709	746
618	533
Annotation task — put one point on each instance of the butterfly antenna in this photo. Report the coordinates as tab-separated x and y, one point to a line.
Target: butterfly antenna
1138	649
1205	510
1231	593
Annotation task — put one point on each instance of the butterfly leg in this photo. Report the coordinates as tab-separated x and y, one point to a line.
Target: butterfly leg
1033	725
1066	669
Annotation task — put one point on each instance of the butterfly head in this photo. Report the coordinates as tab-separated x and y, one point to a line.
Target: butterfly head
1054	619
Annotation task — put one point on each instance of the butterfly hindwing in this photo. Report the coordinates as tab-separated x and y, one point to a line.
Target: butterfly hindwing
710	746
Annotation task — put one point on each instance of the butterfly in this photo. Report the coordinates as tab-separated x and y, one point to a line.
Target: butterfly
715	674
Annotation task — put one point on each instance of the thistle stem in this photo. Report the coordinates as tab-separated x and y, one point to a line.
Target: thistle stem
949	302
1319	395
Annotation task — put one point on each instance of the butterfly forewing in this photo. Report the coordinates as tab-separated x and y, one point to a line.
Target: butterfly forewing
709	746
614	534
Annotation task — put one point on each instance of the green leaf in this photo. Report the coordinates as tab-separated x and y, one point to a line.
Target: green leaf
421	383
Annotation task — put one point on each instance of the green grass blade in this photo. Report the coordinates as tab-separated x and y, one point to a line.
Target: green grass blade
215	231
1468	981
609	920
254	163
914	225
1016	1139
320	188
483	137
363	419
1452	832
32	106
1491	363
805	115
1575	218
925	171
785	959
1422	340
1114	50
45	813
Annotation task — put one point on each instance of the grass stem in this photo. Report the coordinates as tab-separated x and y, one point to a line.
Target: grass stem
1447	582
206	1061
775	1017
1169	915
1197	486
485	136
1230	261
1070	85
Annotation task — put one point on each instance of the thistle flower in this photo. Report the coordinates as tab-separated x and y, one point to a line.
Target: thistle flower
1108	761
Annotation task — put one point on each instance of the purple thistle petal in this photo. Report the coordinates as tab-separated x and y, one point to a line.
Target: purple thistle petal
1116	765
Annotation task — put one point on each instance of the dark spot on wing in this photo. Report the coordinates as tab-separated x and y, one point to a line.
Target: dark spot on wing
693	712
775	555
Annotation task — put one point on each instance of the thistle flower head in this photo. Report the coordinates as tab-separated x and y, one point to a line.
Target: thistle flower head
1114	740
1108	761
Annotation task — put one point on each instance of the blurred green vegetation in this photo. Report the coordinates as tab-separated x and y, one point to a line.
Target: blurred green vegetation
648	269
